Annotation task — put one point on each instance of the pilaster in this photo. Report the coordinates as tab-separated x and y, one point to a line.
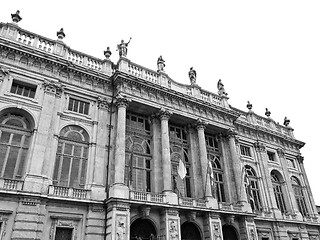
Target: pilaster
38	177
170	224
118	215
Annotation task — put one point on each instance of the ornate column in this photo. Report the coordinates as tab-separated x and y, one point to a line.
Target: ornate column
308	192
122	103
237	169
164	115
156	158
200	125
292	198
263	159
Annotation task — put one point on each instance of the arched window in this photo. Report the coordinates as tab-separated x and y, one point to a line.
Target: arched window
15	133
217	184
277	189
138	154
71	158
298	193
252	188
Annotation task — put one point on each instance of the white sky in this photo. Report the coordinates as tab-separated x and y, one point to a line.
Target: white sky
267	52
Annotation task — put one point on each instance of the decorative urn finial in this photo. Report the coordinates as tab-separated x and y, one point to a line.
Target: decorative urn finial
286	121
16	17
107	53
267	113
60	34
249	105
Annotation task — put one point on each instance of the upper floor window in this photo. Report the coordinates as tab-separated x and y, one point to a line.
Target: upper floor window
76	105
252	188
277	189
216	177
211	143
23	89
298	193
137	124
179	150
245	151
271	156
291	163
15	133
71	157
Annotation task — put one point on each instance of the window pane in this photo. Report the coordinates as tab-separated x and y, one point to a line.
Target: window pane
77	151
74	182
86	108
67	149
65	171
56	168
83	172
22	161
3	151
11	162
16	140
63	233
5	136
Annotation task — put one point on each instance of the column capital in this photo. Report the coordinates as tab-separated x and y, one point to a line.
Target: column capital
53	87
280	152
230	133
201	124
300	158
103	103
259	146
164	114
122	101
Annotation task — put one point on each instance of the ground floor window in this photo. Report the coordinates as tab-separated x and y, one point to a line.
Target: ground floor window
63	233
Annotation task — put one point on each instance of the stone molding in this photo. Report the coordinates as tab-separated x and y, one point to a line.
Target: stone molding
259	146
281	152
201	124
164	114
103	103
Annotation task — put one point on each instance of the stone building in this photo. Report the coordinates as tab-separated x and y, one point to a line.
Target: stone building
93	150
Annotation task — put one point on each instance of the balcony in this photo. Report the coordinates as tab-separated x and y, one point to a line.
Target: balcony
191	202
230	207
147	197
11	184
68	192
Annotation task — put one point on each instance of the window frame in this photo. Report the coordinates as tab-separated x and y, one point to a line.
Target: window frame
277	186
246	151
299	196
250	176
77	99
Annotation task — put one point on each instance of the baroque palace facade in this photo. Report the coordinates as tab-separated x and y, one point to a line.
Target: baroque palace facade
90	149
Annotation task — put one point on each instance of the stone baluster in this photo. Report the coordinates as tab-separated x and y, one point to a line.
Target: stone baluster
165	146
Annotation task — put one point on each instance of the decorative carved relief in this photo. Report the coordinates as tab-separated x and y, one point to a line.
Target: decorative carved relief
191	216
259	146
173	230
201	124
216	231
53	87
103	103
280	152
122	101
164	113
64	222
121	230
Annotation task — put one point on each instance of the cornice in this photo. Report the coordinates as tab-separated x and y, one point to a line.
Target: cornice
256	129
121	76
52	59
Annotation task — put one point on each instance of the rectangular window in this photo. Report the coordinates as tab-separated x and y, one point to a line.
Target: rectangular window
271	156
63	233
245	151
290	163
23	89
78	106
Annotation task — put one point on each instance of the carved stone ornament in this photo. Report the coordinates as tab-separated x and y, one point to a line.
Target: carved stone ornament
4	72
216	231
267	113
300	158
286	121
191	216
173	230
107	53
103	103
64	222
259	146
164	114
221	91
160	64
60	34
121	230
201	124
230	133
230	219
249	106
280	152
53	87
192	76
145	211
122	101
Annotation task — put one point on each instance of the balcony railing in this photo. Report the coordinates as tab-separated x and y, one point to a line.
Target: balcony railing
230	207
192	202
10	184
147	197
69	192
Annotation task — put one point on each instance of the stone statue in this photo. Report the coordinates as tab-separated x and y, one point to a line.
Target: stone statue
160	64
221	90
286	121
192	76
252	235
123	48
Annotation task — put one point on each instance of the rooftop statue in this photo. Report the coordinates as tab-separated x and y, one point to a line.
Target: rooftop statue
192	76
123	48
160	64
221	90
16	17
